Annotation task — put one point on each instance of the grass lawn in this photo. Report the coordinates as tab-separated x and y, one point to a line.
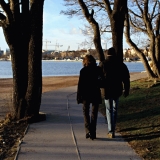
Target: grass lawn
139	118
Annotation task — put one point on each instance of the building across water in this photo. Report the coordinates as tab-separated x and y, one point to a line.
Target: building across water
5	55
1	52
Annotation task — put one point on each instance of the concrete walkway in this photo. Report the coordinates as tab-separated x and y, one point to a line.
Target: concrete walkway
62	135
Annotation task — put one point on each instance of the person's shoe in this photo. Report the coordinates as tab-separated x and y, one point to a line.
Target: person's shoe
93	136
87	135
111	135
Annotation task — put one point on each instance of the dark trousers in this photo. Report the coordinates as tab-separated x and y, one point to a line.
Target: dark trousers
90	122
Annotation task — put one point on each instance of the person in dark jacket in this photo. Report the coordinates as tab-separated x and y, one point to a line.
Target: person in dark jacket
88	93
117	82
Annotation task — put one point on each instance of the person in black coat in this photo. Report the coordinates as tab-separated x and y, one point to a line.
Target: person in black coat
88	92
117	82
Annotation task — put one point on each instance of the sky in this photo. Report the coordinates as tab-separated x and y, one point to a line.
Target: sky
58	29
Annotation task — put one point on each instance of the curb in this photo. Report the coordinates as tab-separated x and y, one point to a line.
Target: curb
20	142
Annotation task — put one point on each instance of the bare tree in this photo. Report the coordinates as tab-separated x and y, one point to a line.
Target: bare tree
112	9
95	27
145	18
21	22
117	17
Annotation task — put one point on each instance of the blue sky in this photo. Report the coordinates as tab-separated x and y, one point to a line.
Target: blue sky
57	28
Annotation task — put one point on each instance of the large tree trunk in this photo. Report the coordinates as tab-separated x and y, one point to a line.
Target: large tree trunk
34	90
18	44
117	25
20	80
23	33
117	17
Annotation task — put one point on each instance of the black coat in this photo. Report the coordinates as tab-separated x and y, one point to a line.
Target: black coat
88	89
116	77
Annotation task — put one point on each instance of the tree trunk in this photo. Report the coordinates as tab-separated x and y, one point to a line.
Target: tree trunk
97	41
18	44
117	25
20	80
137	50
157	51
97	38
34	90
23	33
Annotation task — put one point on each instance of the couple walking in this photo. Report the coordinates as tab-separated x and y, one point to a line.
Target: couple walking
116	82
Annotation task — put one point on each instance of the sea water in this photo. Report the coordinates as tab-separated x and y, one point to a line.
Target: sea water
62	68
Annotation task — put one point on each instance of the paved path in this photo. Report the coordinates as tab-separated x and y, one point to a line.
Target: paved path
62	135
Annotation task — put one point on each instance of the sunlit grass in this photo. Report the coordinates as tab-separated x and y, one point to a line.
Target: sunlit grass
139	118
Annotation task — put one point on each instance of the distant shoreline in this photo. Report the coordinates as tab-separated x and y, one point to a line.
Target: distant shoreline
70	60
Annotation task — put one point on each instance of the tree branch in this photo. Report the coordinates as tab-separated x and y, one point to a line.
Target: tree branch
100	4
6	9
105	29
136	27
158	25
145	7
71	12
108	7
135	14
139	7
95	27
2	16
152	14
85	11
155	16
133	45
147	21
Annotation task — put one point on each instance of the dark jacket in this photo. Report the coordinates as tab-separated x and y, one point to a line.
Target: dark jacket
88	89
116	77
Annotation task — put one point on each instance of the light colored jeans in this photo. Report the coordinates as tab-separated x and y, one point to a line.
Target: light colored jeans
111	113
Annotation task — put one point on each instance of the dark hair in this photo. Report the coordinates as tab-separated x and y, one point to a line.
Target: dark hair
111	52
89	60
